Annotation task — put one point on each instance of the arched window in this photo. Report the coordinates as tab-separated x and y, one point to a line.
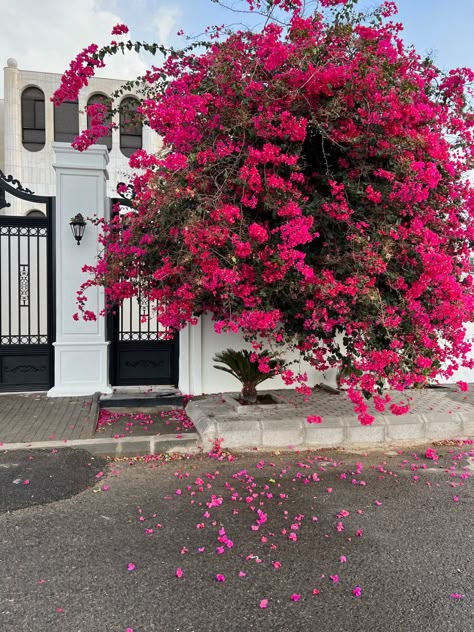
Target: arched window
66	121
101	98
33	119
35	213
130	129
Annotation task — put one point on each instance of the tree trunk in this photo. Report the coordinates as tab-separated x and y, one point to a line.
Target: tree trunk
248	395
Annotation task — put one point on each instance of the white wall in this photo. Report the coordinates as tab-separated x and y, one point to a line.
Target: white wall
198	375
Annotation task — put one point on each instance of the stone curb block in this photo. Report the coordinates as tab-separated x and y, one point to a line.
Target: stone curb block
467	425
358	434
442	426
203	424
239	433
331	432
129	446
276	433
412	430
94	411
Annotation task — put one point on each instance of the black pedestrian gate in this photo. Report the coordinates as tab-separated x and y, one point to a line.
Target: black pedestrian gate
139	355
26	292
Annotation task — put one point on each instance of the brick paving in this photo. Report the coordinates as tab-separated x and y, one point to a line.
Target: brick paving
35	417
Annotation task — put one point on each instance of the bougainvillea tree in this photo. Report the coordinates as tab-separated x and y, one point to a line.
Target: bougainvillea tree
312	191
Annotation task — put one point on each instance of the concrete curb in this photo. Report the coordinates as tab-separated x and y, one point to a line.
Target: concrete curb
94	411
271	432
125	446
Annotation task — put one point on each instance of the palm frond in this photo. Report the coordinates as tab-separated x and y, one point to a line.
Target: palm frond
240	365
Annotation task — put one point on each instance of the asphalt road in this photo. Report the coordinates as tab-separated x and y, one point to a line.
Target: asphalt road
36	477
98	562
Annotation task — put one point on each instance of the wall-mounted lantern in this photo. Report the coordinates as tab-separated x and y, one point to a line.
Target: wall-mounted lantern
78	226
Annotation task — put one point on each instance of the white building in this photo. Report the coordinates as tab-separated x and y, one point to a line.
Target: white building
30	124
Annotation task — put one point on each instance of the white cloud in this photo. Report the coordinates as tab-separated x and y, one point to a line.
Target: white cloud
45	35
165	23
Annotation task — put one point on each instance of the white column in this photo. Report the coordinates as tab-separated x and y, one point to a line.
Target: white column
80	349
190	360
12	163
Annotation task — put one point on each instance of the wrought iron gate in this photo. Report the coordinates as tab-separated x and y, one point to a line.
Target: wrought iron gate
26	292
139	355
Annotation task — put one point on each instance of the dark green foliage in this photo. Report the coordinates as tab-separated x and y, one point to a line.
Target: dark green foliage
240	365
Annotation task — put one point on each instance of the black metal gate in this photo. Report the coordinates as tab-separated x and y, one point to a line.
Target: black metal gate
26	292
139	355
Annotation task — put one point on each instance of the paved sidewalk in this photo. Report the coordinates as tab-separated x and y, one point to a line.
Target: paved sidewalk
36	421
35	417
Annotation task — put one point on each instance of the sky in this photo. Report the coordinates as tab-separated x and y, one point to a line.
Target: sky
44	35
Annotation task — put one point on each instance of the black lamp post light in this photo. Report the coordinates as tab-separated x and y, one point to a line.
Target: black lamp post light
78	226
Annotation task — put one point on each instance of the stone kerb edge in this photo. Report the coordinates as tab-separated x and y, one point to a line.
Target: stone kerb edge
335	431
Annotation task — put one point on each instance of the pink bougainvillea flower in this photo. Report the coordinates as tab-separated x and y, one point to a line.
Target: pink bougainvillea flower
119	29
59	609
105	488
343	559
357	592
316	591
334	579
463	386
179	573
220	577
456	596
242	574
359	533
456	499
264	603
377	503
276	564
26	482
295	597
131	567
314	419
431	454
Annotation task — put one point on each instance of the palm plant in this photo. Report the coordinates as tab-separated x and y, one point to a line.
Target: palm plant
240	365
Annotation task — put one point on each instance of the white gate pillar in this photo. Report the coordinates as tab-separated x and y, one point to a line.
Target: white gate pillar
190	359
80	348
